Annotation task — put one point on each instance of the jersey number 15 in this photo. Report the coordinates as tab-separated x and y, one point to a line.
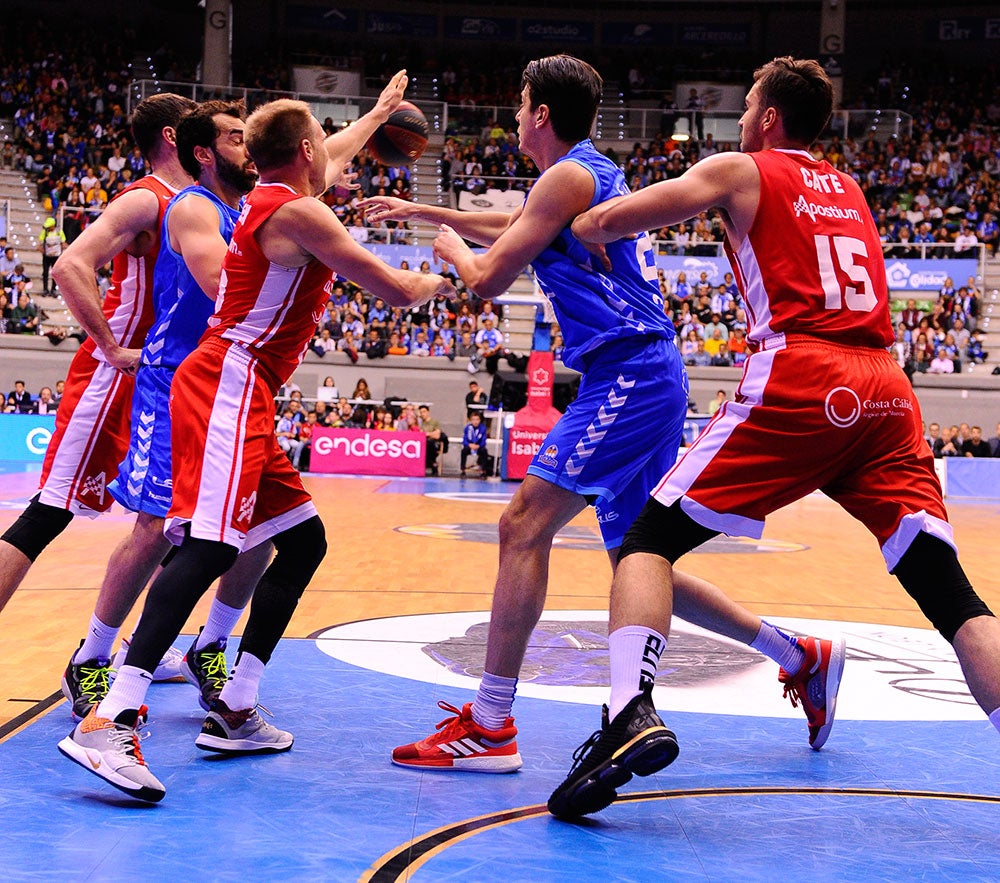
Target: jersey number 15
841	251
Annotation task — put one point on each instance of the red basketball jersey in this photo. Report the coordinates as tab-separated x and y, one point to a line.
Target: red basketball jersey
128	305
812	261
270	309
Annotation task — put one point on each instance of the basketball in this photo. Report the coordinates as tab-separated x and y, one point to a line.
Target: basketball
402	138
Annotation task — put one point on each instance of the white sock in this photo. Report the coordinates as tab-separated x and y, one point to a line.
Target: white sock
494	701
782	648
98	643
221	621
240	691
127	691
995	718
635	653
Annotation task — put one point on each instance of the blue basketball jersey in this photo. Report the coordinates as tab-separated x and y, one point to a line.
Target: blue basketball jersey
594	307
182	308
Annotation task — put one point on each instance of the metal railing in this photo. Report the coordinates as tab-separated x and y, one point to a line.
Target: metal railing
341	109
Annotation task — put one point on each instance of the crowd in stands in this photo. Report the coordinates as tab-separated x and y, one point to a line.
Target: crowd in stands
932	187
943	338
20	401
961	440
463	328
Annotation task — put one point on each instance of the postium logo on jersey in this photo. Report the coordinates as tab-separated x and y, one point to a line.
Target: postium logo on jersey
370	444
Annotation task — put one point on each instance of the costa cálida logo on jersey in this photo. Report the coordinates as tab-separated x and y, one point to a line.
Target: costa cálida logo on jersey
842	407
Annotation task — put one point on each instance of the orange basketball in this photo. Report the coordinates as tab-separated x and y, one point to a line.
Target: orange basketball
401	139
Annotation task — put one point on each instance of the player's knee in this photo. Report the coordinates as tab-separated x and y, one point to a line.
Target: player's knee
300	550
37	526
208	557
932	575
526	522
666	531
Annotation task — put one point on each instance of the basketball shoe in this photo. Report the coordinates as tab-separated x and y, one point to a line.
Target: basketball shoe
815	685
85	684
461	744
110	749
206	669
240	732
635	742
168	669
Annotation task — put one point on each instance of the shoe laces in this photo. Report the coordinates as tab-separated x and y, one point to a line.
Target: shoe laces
456	713
212	666
93	680
446	727
127	738
584	749
793	693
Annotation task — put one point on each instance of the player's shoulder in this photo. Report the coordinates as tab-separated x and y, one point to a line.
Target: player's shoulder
135	207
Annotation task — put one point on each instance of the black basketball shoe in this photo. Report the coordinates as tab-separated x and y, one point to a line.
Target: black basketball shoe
635	743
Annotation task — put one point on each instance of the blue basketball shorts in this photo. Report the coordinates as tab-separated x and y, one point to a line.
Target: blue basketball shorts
143	483
621	433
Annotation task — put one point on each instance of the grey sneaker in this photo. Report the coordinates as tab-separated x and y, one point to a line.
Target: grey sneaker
85	684
168	669
240	732
110	749
206	669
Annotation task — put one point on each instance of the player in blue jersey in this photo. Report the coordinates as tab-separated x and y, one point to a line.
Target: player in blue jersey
197	227
617	438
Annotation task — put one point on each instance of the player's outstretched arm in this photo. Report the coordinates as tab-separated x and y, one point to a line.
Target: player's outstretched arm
342	146
726	180
480	227
118	227
306	229
560	194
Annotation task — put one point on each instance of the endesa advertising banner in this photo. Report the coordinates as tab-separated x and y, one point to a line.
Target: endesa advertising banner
367	452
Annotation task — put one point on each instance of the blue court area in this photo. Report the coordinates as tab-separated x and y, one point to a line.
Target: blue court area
746	799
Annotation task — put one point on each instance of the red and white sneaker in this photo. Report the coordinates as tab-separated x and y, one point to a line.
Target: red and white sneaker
815	685
461	744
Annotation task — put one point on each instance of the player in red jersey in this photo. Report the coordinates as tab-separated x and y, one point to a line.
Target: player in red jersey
821	406
233	487
92	423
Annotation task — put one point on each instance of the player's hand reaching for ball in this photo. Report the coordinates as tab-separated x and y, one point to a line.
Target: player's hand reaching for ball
386	208
392	94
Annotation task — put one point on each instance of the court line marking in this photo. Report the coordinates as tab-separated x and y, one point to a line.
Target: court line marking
398	864
39	709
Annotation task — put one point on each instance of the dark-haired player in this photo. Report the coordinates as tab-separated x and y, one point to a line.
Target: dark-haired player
603	450
92	423
821	406
197	227
233	486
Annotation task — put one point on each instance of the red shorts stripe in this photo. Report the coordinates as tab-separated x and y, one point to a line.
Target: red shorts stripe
231	481
91	437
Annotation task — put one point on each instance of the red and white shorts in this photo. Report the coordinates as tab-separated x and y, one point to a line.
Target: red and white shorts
231	481
91	437
813	415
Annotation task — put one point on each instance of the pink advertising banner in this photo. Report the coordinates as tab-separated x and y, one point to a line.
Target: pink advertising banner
533	422
367	452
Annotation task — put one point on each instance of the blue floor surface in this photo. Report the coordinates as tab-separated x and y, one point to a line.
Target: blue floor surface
746	800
